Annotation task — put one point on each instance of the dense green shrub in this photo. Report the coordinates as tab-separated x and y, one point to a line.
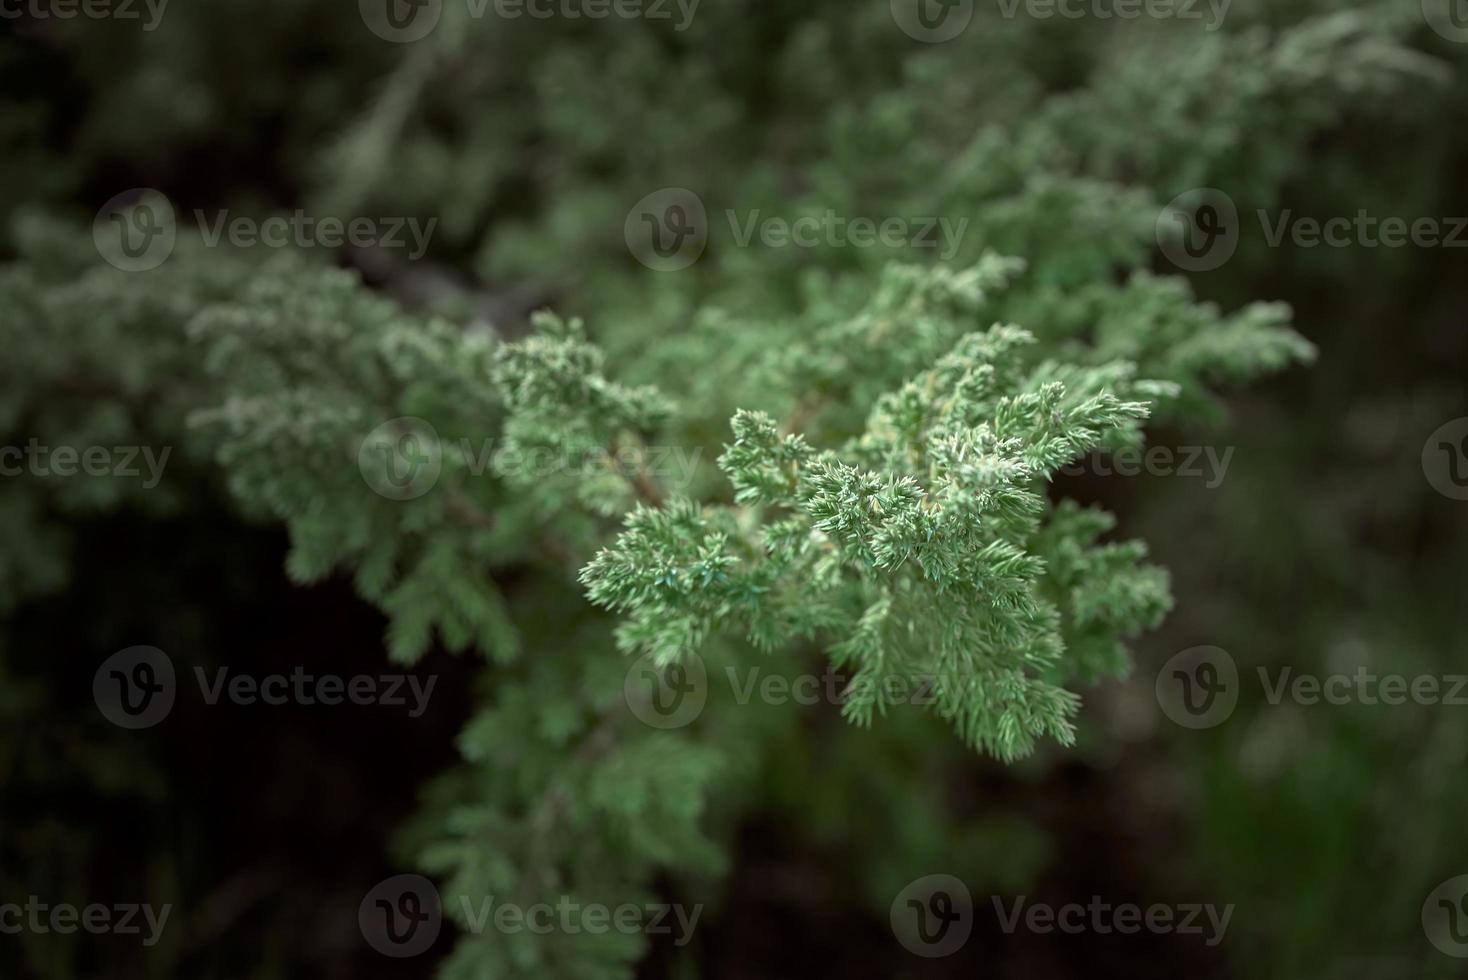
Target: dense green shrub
779	458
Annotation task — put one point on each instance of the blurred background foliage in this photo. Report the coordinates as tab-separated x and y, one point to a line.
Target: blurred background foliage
1324	549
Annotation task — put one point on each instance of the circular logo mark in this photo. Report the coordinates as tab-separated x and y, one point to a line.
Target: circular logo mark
1199	229
135	688
401	458
933	21
402	916
1199	687
1445	459
1449	18
670	696
1445	917
135	230
400	21
668	229
933	916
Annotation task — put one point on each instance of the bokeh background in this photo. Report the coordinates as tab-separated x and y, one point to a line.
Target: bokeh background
1324	548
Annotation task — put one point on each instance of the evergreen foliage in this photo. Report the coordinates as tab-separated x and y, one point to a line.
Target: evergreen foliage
877	433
